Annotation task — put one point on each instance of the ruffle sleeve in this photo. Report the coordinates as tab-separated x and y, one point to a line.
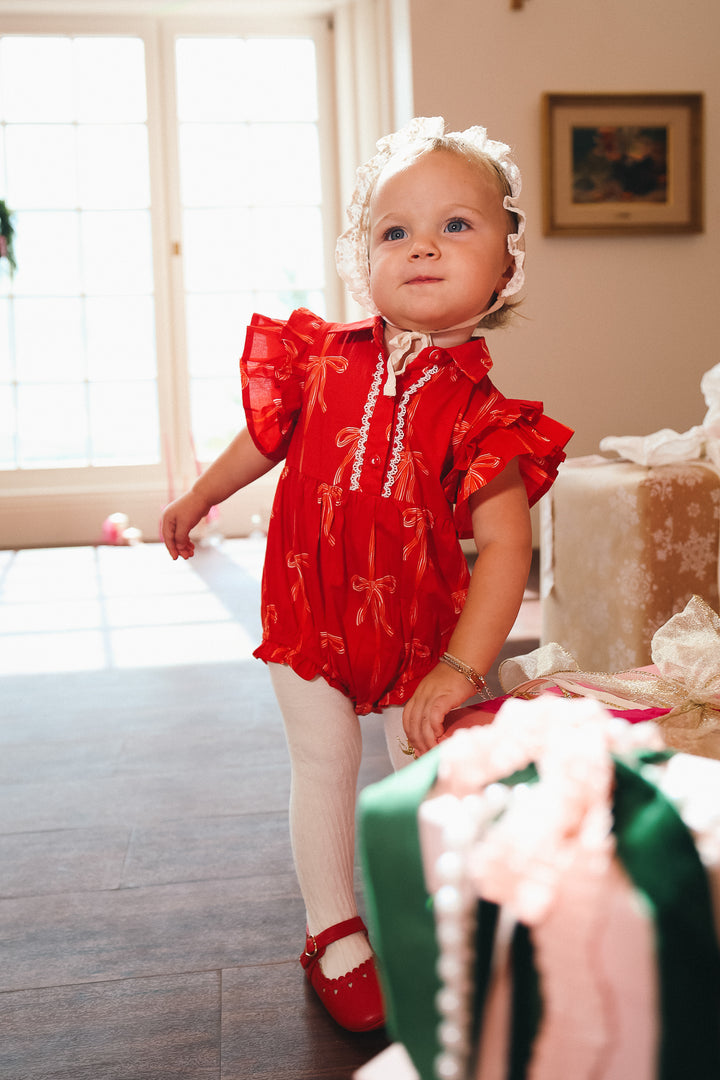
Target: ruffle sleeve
272	369
513	429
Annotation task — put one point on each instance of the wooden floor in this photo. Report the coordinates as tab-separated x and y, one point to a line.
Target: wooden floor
149	915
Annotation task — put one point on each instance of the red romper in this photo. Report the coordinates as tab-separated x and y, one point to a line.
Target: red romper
364	575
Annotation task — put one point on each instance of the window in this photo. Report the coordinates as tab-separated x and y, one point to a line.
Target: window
251	206
78	356
166	181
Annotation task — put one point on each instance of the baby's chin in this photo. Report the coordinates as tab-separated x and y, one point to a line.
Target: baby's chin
458	331
419	326
408	324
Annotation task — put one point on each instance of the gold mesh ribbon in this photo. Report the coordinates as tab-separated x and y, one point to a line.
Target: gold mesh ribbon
686	655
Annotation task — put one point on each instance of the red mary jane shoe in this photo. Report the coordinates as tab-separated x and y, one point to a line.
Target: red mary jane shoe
354	1000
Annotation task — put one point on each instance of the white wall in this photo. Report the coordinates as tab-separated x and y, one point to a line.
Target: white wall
619	330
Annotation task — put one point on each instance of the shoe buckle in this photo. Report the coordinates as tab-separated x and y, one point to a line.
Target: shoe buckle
310	955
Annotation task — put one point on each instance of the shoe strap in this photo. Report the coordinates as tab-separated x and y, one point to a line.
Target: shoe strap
316	944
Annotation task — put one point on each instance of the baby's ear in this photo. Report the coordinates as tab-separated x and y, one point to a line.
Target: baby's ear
506	275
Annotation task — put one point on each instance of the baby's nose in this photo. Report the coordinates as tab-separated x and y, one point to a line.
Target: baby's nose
423	249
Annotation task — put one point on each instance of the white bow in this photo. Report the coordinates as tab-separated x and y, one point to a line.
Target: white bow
404	347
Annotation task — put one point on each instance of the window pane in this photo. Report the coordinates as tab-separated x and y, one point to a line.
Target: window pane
49	343
82	306
117	252
120	337
47	248
124	426
282	76
213	164
113	166
217	414
251	192
109	79
283	303
216	332
286	248
211	81
31	182
36	77
216	246
272	147
52	426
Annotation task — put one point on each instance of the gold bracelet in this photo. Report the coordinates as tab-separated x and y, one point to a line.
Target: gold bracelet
470	674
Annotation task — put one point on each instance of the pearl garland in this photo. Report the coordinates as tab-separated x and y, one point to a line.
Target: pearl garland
456	905
512	845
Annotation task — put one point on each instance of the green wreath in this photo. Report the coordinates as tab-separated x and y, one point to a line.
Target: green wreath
7	232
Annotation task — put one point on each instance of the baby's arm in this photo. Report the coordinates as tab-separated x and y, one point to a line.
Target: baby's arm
503	535
238	465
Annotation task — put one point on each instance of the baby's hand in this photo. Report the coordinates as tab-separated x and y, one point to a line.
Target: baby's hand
178	519
441	690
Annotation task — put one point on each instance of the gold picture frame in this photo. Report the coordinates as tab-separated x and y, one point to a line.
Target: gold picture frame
622	164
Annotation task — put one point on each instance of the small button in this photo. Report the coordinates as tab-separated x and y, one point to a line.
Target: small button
376	460
435	354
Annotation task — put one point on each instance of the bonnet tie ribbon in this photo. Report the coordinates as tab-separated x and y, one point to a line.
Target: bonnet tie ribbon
404	347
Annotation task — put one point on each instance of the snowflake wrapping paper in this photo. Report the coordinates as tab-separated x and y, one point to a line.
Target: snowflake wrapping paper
624	548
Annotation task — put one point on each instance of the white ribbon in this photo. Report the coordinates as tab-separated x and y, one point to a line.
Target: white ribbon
405	345
665	447
403	348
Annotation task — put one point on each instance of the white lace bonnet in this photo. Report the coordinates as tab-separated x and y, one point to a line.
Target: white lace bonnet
351	251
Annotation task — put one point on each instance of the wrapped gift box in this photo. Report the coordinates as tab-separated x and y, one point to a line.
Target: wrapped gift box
544	898
623	547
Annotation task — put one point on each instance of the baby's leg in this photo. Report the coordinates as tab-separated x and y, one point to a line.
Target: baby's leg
325	744
395	737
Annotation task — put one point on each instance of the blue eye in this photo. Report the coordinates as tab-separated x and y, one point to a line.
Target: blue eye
456	225
396	233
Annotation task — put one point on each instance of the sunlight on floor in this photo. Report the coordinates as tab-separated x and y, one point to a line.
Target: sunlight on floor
86	608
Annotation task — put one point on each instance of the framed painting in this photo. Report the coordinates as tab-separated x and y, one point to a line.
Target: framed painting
618	164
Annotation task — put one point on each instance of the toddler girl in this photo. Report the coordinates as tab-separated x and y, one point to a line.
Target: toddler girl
396	444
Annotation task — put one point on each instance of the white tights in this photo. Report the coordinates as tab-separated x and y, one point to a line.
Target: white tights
325	743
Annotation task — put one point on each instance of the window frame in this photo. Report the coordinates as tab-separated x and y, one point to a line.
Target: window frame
67	506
